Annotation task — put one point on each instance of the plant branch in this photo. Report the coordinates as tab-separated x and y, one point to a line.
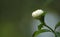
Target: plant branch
51	30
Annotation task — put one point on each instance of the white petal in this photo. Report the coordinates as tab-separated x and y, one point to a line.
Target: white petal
37	13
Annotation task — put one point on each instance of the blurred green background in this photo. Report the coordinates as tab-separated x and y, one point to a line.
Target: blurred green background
15	15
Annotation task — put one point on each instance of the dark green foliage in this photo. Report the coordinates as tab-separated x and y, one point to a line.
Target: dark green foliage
39	32
58	34
57	25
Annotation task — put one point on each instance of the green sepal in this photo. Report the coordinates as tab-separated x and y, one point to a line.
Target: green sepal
40	26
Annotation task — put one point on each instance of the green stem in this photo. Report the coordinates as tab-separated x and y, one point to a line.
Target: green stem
42	21
51	30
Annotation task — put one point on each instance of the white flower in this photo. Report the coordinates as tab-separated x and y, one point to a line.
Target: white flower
37	13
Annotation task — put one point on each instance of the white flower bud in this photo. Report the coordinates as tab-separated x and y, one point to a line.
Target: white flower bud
37	13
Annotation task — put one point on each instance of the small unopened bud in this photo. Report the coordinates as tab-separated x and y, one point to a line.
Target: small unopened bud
37	13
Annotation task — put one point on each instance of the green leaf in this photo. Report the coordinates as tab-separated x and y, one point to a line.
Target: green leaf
40	31
58	34
57	25
40	26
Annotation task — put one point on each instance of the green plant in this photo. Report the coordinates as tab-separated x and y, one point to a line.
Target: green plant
40	14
